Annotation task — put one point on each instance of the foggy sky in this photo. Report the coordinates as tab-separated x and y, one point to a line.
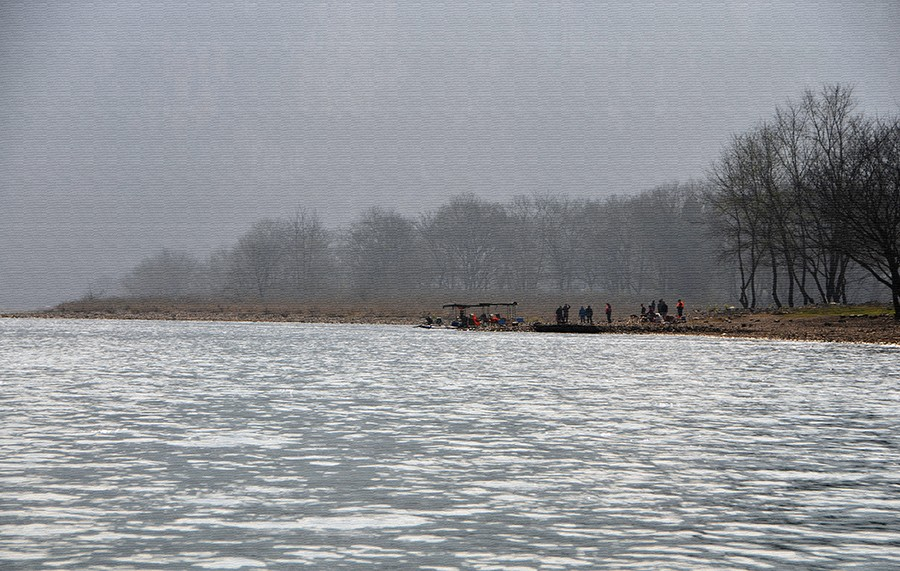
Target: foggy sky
132	126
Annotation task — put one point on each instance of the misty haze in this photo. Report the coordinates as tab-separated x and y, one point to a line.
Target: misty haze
132	129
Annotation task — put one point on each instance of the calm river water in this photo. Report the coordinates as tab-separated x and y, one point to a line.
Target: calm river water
170	445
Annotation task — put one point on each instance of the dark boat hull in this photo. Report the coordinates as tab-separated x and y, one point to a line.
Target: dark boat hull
567	328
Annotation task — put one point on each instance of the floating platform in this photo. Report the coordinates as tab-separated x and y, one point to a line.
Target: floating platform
569	328
626	327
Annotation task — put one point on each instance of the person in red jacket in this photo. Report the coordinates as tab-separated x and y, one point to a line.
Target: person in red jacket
680	307
608	313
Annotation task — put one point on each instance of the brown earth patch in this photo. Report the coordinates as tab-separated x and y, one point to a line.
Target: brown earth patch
853	324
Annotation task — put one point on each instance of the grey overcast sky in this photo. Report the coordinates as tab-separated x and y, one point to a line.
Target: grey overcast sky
132	126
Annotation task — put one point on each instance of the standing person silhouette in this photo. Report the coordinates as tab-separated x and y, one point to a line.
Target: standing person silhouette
608	313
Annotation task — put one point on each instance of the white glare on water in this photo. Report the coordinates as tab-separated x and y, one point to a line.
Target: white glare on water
244	445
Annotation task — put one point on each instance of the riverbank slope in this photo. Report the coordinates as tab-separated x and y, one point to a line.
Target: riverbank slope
837	323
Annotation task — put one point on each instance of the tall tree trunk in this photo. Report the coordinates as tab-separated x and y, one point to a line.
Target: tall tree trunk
745	303
775	279
804	273
789	262
753	290
754	264
842	281
895	289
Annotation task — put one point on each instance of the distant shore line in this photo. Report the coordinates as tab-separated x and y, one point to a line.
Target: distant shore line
847	324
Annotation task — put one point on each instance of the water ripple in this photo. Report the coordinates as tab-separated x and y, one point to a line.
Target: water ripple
243	446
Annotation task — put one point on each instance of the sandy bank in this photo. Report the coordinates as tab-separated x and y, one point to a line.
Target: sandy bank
853	324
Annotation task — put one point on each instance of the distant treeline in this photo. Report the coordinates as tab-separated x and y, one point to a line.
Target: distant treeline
809	200
642	245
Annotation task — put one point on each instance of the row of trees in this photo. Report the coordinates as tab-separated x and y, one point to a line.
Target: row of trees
808	198
804	208
637	246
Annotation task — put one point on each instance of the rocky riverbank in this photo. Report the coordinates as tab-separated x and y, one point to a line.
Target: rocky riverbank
850	324
853	323
846	327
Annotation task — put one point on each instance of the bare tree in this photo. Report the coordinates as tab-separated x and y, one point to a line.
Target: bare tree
560	238
868	206
464	236
611	258
594	265
831	130
766	181
307	258
794	156
520	257
167	274
258	258
381	254
691	265
810	193
739	213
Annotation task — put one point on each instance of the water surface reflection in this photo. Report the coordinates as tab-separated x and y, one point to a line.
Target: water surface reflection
153	445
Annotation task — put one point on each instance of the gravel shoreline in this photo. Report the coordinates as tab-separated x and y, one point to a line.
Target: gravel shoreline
843	324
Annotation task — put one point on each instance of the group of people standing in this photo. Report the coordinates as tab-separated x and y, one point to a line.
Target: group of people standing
658	312
585	314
